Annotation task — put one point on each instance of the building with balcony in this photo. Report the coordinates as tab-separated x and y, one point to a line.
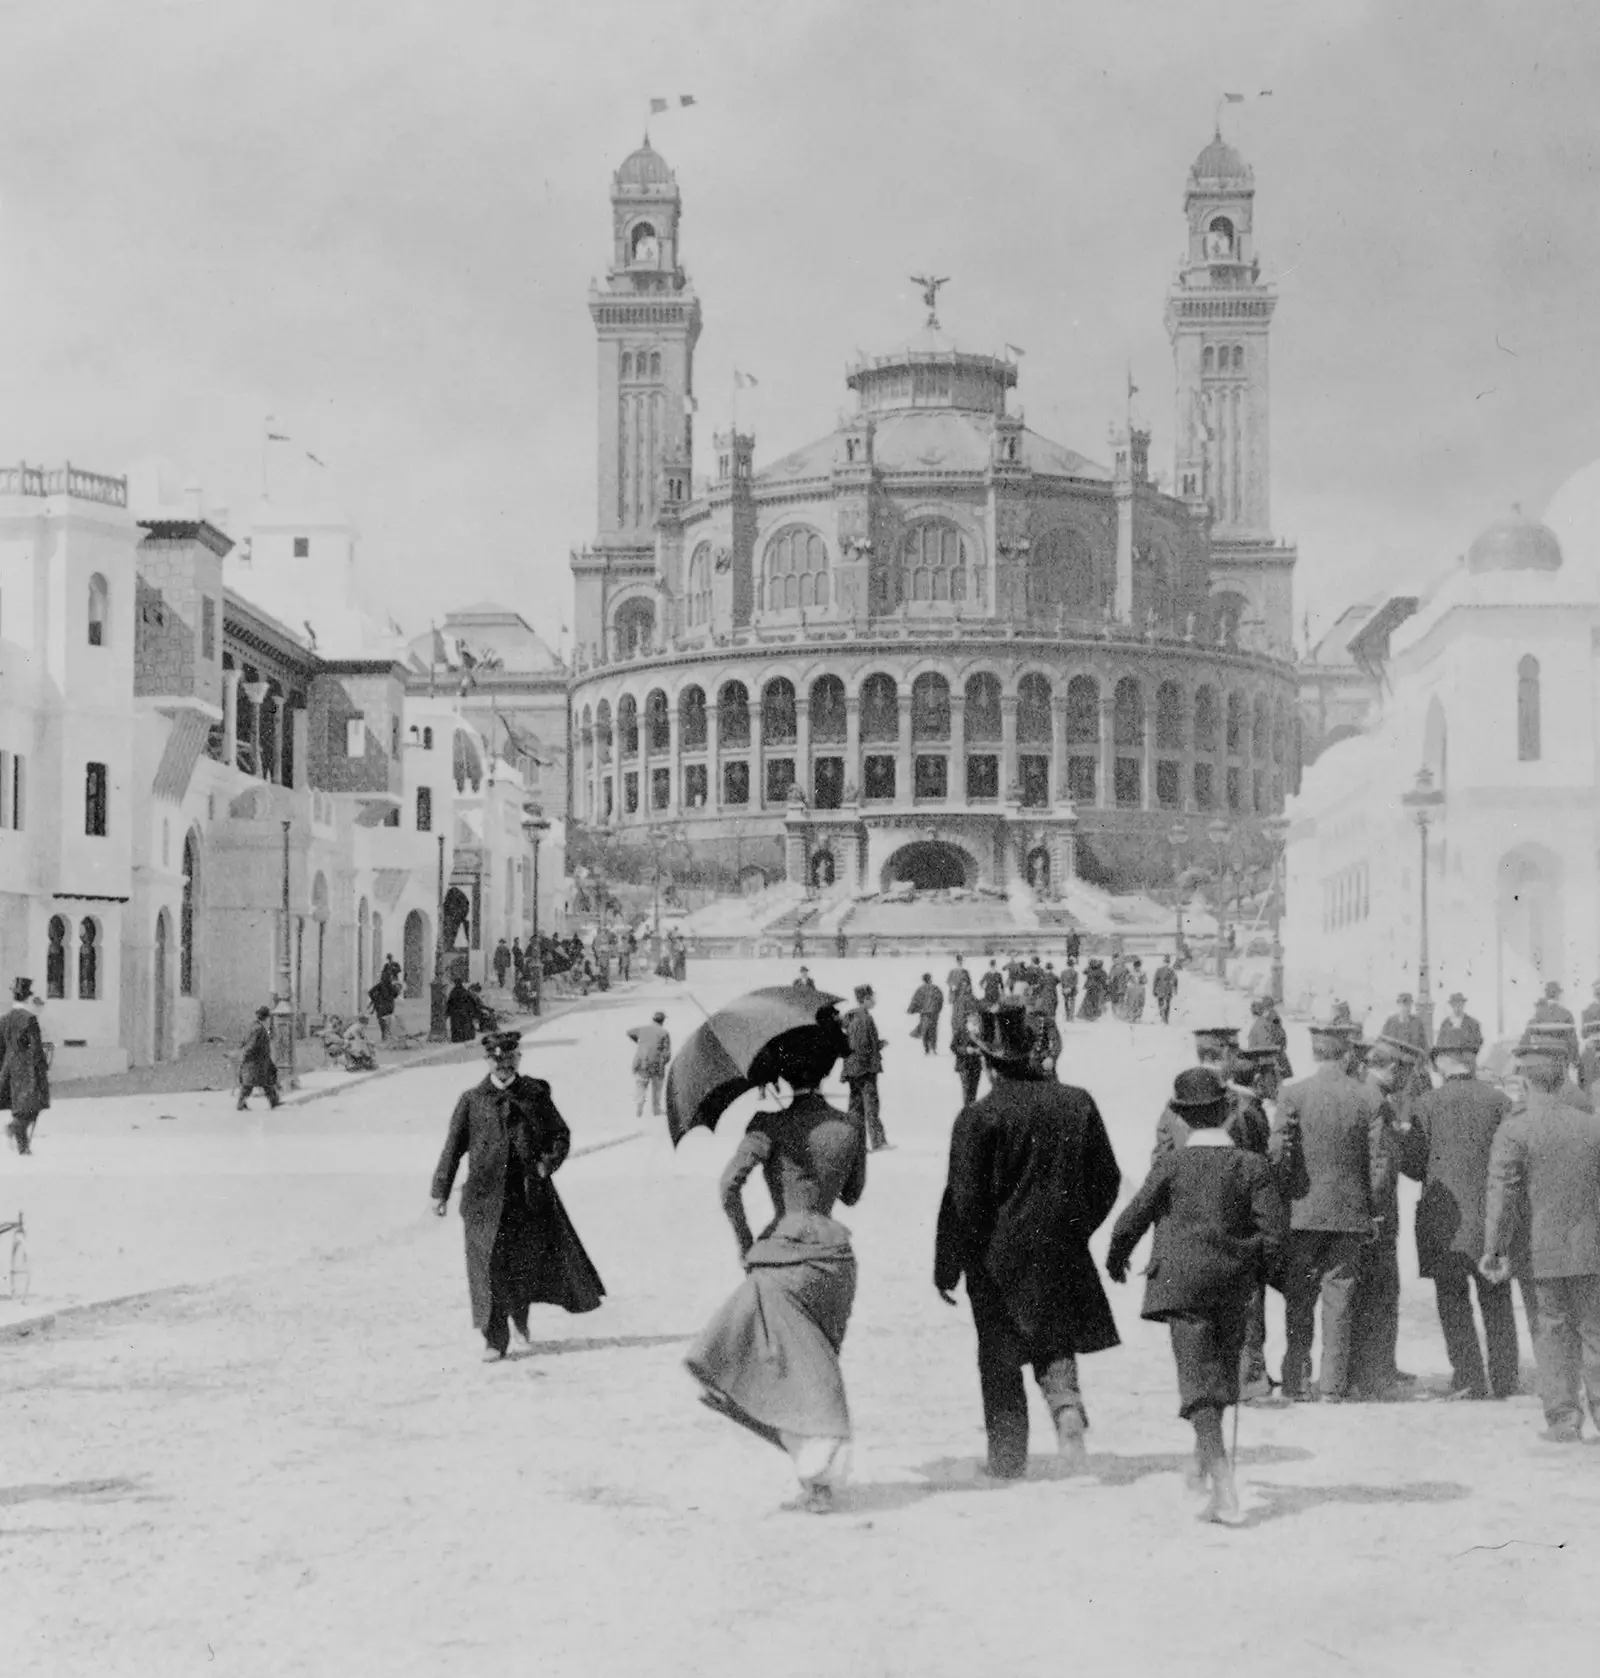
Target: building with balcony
933	645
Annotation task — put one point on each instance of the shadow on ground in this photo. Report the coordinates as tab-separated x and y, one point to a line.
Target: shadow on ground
62	1490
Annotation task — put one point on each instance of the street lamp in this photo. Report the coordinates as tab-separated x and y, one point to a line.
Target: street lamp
1219	833
1177	837
659	837
1276	832
535	826
283	1021
436	1016
1422	801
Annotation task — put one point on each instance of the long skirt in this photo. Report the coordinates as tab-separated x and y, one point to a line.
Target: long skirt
769	1358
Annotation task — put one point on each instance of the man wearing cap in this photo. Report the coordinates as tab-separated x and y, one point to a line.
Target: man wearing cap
927	1003
1446	1148
1032	1176
1163	987
24	1070
652	1049
1458	1030
521	1246
257	1069
1328	1144
1267	1032
1219	1223
862	1066
1405	1025
1549	1011
1544	1177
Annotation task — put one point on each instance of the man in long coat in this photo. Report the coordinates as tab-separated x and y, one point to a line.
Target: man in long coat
1163	987
257	1069
521	1246
1032	1176
862	1066
1446	1148
1458	1029
927	1004
24	1071
1392	1072
461	1010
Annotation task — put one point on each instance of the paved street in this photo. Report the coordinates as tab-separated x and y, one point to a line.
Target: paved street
296	1464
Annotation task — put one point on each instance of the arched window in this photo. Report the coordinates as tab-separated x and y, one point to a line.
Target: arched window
880	708
1528	749
930	708
1235	722
698	593
88	960
1169	717
936	564
1127	720
1238	358
1205	720
186	915
983	708
828	720
692	718
1219	237
1227	614
777	712
97	610
627	364
55	961
794	571
1033	710
1083	711
733	715
658	720
655	364
636	628
1208	359
639	249
1260	727
628	726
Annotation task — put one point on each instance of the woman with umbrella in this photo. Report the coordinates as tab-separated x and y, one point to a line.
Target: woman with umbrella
769	1359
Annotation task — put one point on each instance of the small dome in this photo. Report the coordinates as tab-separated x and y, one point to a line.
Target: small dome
1515	544
645	167
1220	162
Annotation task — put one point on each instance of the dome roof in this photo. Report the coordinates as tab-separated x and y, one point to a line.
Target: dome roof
1515	544
1220	162
645	167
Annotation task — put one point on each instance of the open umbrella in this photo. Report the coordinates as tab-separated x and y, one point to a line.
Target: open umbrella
736	1050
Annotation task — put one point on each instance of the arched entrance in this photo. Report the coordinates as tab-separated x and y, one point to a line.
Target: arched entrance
1529	924
416	952
161	1011
929	865
1039	868
822	869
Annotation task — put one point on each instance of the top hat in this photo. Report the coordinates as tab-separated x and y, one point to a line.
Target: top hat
660	1019
1003	1034
21	989
1455	997
1197	1090
500	1042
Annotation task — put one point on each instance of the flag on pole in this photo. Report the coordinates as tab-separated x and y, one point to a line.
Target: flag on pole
1234	98
1016	350
1133	389
657	106
743	381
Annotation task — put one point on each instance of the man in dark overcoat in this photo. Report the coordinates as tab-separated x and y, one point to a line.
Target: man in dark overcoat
521	1246
927	1003
1405	1024
24	1070
1328	1142
1458	1029
965	1015
257	1069
461	1010
1163	987
1032	1176
1446	1148
862	1066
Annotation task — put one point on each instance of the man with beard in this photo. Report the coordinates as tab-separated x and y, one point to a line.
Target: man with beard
1032	1176
521	1246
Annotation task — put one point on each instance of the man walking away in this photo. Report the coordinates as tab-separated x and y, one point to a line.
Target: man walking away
1069	989
1549	1011
862	1066
804	981
965	1016
382	999
502	962
1032	1176
257	1070
1164	986
1446	1148
651	1051
927	1004
24	1067
1328	1142
958	978
1546	1157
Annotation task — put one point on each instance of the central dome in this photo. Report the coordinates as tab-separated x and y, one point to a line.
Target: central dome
645	167
1220	162
929	371
1515	544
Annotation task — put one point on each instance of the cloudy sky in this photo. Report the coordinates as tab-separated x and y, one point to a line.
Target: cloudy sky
378	222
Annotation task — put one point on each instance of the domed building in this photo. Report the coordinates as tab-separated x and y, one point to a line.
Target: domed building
932	645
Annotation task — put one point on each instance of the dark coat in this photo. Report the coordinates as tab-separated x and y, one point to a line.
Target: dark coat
1164	982
382	996
256	1066
461	1009
506	1136
1410	1031
1544	1185
1219	1223
24	1072
1335	1126
1468	1035
1447	1150
1032	1177
928	1001
865	1059
992	986
1247	1126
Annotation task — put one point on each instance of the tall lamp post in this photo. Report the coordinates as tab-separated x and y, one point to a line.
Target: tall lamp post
535	826
436	1020
1177	838
1219	833
1276	832
283	1006
1423	801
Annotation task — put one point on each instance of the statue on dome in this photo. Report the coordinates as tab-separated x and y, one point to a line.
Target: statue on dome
930	295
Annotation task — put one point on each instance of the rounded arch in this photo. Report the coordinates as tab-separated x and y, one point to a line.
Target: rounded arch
1169	717
880	707
794	571
829	716
634	627
982	707
99	611
778	712
55	960
733	714
189	914
1205	719
930	707
931	865
637	234
457	913
88	959
692	717
1436	744
1219	236
937	564
1033	710
1083	711
658	721
697	590
628	726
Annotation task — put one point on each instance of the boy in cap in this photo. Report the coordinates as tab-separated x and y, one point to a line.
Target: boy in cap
1218	1221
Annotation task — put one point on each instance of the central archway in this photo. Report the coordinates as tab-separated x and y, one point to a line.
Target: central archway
930	865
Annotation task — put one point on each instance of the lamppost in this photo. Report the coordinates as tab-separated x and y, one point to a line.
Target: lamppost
283	1004
1219	833
1422	801
535	826
1276	831
436	1020
1177	837
659	837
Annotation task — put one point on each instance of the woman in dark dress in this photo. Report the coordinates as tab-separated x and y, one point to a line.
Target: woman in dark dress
769	1359
1095	990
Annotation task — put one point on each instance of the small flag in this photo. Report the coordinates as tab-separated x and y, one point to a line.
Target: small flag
743	381
1234	98
685	98
657	106
276	437
1016	349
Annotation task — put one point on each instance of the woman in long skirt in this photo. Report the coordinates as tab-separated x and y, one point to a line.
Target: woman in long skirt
769	1359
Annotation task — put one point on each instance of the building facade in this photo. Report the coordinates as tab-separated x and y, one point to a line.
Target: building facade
933	645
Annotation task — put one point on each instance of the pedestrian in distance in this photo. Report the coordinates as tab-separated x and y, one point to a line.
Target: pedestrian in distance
1446	1147
1031	1177
1164	987
24	1066
862	1064
965	1016
257	1069
805	981
519	962
1405	1024
769	1358
1458	1030
993	984
927	1003
652	1050
521	1247
381	998
1096	988
958	978
1542	1215
1069	989
461	1013
1219	1227
502	962
1074	946
799	949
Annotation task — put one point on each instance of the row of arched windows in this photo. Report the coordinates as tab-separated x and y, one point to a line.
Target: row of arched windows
87	963
1222	358
1346	897
640	364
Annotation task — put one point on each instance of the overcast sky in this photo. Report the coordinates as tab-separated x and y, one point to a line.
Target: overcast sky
378	222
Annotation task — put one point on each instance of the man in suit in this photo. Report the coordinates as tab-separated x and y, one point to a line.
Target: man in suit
965	1016
1163	987
958	978
1544	1174
1446	1147
1069	989
1458	1030
1549	1011
862	1066
652	1050
257	1069
927	1003
1267	1032
993	984
1405	1025
24	1070
1328	1143
1032	1176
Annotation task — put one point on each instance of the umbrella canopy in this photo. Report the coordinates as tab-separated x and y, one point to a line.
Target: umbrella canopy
737	1049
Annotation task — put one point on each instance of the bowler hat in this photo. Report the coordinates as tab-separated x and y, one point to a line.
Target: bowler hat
1003	1034
1455	997
1197	1090
501	1042
21	989
660	1019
